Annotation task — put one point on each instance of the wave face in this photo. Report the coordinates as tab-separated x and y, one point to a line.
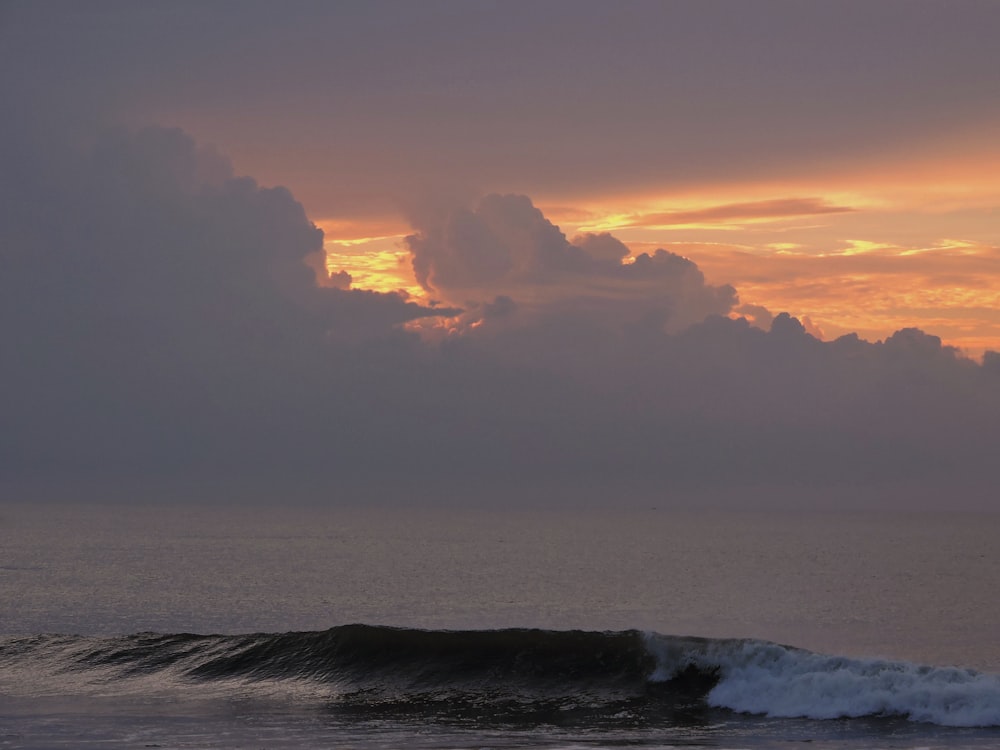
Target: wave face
486	673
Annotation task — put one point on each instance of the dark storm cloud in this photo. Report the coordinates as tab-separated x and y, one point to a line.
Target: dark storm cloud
161	323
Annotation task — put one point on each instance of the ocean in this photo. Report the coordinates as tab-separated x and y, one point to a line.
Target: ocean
393	627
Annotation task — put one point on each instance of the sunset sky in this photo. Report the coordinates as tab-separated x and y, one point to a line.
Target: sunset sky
836	160
521	161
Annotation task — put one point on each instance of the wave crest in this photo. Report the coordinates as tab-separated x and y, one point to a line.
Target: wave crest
365	668
759	677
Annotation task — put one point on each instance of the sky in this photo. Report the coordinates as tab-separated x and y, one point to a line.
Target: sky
441	249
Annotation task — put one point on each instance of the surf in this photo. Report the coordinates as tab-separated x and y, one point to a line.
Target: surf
365	669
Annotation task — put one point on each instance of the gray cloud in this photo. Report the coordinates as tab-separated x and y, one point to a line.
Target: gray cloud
157	311
506	247
758	315
161	325
379	100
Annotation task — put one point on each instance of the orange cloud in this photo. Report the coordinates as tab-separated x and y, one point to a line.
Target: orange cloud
951	289
723	215
867	246
859	245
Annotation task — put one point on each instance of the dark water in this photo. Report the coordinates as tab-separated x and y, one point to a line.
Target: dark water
103	611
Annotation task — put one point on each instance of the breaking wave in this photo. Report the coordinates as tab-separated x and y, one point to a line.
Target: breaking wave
368	668
758	677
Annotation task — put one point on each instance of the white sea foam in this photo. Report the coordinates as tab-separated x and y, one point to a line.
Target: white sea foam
765	678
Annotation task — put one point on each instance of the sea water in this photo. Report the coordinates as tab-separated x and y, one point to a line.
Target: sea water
227	627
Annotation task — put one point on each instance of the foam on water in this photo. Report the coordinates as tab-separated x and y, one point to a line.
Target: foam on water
765	678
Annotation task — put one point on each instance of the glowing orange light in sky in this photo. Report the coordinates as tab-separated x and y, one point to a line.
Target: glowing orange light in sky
372	253
910	244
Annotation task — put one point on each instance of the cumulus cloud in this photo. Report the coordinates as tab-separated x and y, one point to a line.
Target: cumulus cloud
152	303
340	280
991	362
505	246
758	315
162	320
711	400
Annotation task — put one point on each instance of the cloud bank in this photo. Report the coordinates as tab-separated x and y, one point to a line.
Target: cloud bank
162	325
